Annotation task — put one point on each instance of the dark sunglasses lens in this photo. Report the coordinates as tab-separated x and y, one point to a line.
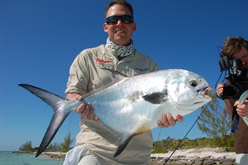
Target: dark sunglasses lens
124	18
112	20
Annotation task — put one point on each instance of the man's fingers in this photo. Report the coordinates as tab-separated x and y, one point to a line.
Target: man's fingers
171	120
87	111
179	118
168	120
80	108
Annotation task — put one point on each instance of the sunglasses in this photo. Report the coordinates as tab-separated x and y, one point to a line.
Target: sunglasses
115	18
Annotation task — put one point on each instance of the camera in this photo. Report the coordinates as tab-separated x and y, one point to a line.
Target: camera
237	77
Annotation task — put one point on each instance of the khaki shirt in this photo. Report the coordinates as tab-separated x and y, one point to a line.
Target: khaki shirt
87	74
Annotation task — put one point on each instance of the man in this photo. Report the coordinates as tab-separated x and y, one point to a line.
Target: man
88	73
237	47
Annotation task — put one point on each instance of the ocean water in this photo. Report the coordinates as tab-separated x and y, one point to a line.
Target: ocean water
9	158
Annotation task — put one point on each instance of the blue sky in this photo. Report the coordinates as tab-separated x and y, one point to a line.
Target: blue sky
40	39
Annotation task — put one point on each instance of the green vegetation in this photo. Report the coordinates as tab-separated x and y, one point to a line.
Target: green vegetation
169	144
55	147
64	147
215	121
216	124
27	147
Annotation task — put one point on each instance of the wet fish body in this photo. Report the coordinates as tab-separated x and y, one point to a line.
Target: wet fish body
133	105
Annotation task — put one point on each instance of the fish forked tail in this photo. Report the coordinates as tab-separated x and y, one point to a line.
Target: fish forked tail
56	102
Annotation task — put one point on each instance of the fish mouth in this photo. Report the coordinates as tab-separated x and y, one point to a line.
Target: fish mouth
205	91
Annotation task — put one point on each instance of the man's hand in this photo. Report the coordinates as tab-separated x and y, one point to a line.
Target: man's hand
168	120
86	110
242	109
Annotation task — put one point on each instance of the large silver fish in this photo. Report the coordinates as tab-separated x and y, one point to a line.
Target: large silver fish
132	105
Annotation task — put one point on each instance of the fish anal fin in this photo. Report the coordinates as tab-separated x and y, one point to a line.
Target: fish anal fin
155	98
124	145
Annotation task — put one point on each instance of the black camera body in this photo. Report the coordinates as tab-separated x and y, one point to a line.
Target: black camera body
238	77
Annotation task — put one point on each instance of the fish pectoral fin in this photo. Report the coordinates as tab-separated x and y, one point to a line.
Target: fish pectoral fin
123	146
156	98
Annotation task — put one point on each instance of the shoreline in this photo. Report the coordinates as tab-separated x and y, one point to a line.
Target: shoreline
51	155
197	156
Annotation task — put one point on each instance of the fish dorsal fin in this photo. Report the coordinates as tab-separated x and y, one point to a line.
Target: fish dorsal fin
156	98
118	77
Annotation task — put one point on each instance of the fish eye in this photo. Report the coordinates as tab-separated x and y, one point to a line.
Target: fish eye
193	83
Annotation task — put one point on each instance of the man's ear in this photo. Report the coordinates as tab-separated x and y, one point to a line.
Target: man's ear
134	27
105	27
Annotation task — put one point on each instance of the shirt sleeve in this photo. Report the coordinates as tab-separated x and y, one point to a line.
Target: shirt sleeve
154	66
79	75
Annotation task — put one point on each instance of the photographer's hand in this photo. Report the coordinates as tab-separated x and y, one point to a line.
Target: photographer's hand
220	89
242	109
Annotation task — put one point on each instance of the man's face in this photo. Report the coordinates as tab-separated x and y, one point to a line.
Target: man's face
243	55
119	33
